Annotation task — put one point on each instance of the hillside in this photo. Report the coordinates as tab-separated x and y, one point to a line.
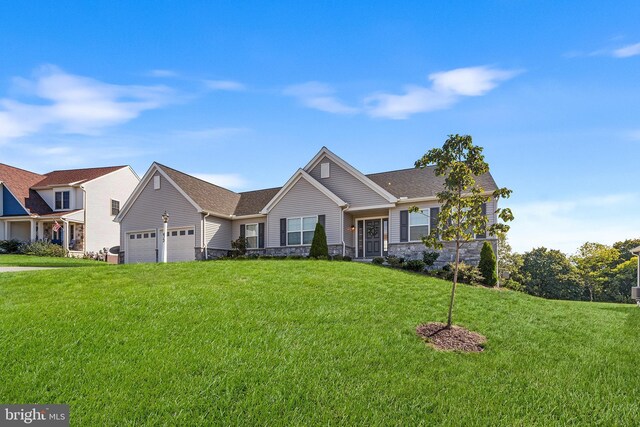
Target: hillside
304	342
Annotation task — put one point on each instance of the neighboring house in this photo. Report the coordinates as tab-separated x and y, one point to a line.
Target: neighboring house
364	216
74	208
635	291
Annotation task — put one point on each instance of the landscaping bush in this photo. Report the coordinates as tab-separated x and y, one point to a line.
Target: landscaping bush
337	257
253	255
378	260
468	274
319	243
487	265
322	258
10	246
238	247
265	257
430	257
395	262
513	285
415	265
42	248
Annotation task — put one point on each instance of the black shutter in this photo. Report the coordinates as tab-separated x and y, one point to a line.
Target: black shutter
484	213
283	231
261	235
404	226
321	220
242	231
433	218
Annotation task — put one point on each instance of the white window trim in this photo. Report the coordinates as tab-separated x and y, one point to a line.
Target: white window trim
61	200
419	225
302	230
111	207
257	235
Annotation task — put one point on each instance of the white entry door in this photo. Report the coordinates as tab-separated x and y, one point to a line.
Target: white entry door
181	244
141	247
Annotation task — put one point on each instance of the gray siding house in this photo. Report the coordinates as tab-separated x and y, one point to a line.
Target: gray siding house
364	216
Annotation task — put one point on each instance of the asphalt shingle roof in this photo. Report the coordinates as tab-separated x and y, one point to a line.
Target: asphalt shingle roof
19	182
71	176
252	202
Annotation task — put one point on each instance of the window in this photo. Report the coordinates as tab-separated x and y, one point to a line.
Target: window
115	207
156	182
174	233
251	234
324	170
153	234
190	232
300	230
146	235
139	236
418	225
62	200
132	236
183	232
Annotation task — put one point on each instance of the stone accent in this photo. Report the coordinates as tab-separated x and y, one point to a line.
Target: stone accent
211	253
279	251
469	252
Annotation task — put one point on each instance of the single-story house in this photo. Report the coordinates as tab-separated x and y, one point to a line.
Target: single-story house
364	216
74	208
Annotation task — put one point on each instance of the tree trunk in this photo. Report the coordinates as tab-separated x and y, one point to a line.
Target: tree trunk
455	283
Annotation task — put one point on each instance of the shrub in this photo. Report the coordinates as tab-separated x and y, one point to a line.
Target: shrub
337	257
346	258
513	285
395	262
10	246
429	257
487	265
468	274
238	247
43	248
253	255
414	265
378	260
319	243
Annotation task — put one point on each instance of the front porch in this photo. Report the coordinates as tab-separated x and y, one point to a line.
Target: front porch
58	229
370	233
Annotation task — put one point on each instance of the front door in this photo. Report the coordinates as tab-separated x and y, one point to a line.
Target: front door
372	239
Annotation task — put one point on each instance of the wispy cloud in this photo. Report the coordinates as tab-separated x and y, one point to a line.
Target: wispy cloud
73	104
228	85
231	181
627	51
446	89
163	73
319	96
568	223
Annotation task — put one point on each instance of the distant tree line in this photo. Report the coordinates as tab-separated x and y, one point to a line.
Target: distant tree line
596	272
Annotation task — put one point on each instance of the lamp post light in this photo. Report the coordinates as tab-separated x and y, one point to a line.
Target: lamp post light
165	220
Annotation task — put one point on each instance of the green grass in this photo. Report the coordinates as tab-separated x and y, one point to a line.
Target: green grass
306	343
12	260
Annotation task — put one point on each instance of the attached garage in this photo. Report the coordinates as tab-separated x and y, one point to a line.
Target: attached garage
181	244
141	247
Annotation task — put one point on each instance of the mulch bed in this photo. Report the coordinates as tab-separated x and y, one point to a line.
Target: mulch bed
454	338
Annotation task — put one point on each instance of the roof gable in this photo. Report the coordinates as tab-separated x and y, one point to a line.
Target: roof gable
74	176
19	182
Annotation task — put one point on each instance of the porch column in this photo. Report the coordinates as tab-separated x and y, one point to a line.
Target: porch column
6	230
65	235
33	235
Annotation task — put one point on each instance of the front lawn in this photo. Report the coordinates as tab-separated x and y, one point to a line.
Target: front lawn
14	260
306	343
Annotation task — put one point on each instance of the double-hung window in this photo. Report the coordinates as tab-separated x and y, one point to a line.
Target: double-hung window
251	235
418	225
62	200
115	207
300	230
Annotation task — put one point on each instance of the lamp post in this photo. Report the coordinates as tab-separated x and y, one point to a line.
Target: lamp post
165	220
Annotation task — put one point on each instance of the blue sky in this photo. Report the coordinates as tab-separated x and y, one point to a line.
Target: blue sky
244	93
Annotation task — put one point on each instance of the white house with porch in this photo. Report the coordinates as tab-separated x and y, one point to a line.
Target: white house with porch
74	208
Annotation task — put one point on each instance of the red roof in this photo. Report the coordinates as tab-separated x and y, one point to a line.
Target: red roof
73	176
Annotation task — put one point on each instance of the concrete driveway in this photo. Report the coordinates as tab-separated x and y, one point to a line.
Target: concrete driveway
16	269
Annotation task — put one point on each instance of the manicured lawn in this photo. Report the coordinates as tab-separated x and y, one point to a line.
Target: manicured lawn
306	343
7	260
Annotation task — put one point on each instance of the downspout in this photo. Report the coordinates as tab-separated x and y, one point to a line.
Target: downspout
84	219
204	247
344	249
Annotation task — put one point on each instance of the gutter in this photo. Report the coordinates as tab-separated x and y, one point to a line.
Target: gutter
344	248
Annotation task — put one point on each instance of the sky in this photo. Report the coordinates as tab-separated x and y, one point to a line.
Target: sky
244	93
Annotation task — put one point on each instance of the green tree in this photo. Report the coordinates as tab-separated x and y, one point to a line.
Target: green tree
548	273
624	247
509	262
461	199
622	278
319	243
487	265
594	262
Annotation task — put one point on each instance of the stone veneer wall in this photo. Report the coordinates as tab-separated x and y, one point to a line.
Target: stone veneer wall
469	252
299	250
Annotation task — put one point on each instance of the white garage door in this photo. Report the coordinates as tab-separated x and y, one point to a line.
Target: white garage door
141	247
181	244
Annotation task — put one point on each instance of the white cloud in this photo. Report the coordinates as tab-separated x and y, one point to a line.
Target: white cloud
228	85
319	96
163	73
447	88
74	104
627	51
231	181
566	224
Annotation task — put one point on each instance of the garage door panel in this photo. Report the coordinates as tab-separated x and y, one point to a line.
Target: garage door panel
141	247
181	244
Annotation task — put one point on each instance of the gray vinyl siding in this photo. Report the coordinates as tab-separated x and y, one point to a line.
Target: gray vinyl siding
348	234
394	216
217	233
147	209
346	186
235	227
303	199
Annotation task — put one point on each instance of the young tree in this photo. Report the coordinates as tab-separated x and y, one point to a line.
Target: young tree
487	265
595	262
319	243
461	199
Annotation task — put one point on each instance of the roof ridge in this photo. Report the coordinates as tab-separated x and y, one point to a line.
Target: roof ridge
400	170
260	189
86	169
21	169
